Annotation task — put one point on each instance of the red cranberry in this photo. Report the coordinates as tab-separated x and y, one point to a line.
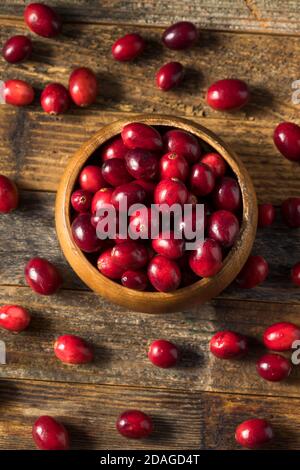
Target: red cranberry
84	234
42	276
202	180
101	199
281	336
167	245
228	345
140	222
216	163
107	267
169	76
290	210
55	99
134	424
14	318
91	178
206	260
164	274
81	200
295	274
273	367
183	143
129	194
42	20
287	140
181	35
73	350
254	433
18	93
141	163
253	273
9	196
83	86
17	48
114	149
149	187
139	135
128	47
136	280
227	94
130	255
170	191
266	215
49	434
163	353
223	226
227	194
114	172
173	165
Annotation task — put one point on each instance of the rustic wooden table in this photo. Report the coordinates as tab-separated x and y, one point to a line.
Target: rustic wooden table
198	404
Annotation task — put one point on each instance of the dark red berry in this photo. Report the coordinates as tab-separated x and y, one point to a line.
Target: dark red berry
81	200
49	434
173	165
55	99
114	149
290	210
115	172
18	93
253	273
141	163
266	215
206	260
227	194
128	47
181	35
273	367
141	220
228	345
227	94
91	178
202	179
126	195
295	274
101	199
169	76
73	350
42	20
108	267
139	135
130	255
223	226
9	196
83	86
149	187
42	276
281	336
134	279
216	163
134	424
287	140
163	353
17	48
164	274
170	191
254	433
183	143
167	245
84	234
14	318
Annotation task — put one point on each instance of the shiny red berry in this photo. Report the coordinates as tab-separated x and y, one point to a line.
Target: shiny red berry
81	200
128	47
83	86
223	226
287	140
181	35
228	345
130	255
167	245
134	279
254	433
17	48
141	163
108	267
115	148
114	172
295	274
253	273
14	318
55	99
202	179
42	276
126	195
91	179
173	165
42	20
281	336
163	353
84	234
164	274
101	199
227	94
18	93
206	260
72	349
49	434
139	135
183	143
227	194
290	210
170	191
134	424
266	215
273	367
9	196
216	163
169	76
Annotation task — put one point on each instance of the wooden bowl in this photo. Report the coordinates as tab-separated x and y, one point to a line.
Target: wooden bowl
156	302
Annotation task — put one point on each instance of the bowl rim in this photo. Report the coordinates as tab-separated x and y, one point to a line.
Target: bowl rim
156	302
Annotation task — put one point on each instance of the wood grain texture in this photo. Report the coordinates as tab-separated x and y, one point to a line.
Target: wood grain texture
246	15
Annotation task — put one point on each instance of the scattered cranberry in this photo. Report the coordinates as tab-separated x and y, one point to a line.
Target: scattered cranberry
128	194
228	345
84	234
273	367
254	433
295	274
128	47
223	226
42	20
281	336
91	178
216	163
290	210
17	48
114	172
163	354
55	99
167	245
73	350
227	194
130	255
14	318
170	191
81	200
227	94
139	135
42	276
181	35
114	149
141	163
164	274
101	199
169	76
49	434
134	424
18	93
253	273
107	267
287	140
136	280
202	179
266	215
173	165
183	143
9	196
83	86
206	260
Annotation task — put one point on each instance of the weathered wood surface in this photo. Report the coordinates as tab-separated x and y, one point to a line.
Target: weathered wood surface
246	15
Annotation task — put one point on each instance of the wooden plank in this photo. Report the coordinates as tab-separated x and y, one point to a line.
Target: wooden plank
121	339
245	15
